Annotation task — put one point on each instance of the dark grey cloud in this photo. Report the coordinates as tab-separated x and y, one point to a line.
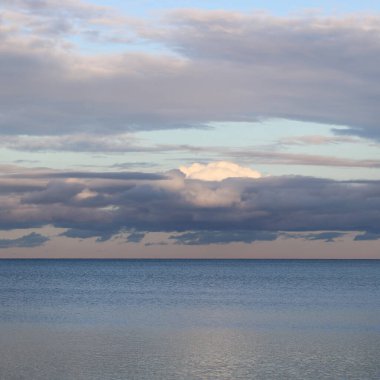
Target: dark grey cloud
328	237
248	237
368	236
135	237
101	235
129	165
9	188
228	66
135	176
222	237
234	209
110	175
27	241
55	192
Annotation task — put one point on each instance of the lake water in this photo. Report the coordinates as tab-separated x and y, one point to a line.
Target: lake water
189	319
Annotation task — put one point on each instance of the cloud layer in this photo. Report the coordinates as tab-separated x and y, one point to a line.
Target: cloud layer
98	205
218	66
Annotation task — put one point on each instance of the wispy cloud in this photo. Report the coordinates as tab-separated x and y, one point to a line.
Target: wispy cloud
369	235
317	140
27	241
222	237
135	237
286	158
328	237
271	155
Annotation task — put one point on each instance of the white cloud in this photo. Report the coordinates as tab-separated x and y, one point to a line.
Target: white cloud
85	194
218	171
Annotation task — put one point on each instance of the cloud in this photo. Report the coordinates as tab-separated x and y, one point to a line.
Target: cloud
135	237
328	237
55	192
368	236
248	237
214	66
286	158
222	237
129	165
52	18
317	140
27	241
218	171
100	234
92	175
124	143
97	205
73	143
9	187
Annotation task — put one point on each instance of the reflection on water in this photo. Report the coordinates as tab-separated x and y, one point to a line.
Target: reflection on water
98	353
189	320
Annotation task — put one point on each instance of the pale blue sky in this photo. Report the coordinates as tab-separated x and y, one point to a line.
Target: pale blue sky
263	136
279	7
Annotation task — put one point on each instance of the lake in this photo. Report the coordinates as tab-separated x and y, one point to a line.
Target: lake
189	319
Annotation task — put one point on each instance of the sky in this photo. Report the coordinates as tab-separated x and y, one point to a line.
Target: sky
189	129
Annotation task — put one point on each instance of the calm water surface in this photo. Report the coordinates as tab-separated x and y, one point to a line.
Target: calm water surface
189	319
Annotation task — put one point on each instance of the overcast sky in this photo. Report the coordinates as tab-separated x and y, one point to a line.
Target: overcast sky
189	129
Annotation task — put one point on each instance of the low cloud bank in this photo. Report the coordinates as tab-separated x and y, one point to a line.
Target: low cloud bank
234	209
